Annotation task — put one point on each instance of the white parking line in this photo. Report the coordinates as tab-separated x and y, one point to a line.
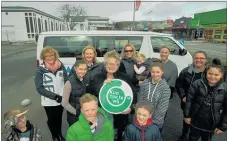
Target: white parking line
208	51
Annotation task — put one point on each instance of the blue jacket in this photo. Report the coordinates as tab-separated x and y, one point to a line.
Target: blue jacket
136	132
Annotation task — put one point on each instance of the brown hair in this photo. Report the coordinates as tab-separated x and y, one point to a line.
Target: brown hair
79	62
144	105
123	50
157	64
92	48
87	98
164	47
48	49
202	52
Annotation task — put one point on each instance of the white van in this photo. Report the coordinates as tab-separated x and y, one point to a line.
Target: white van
70	44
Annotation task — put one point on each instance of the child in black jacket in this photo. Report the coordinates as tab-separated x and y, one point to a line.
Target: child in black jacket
205	99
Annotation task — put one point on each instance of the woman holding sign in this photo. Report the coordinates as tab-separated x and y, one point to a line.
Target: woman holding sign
156	91
50	78
112	63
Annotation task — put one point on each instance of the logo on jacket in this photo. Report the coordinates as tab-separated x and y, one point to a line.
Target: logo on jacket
60	74
116	96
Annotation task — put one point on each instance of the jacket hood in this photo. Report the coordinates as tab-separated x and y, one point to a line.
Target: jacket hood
28	125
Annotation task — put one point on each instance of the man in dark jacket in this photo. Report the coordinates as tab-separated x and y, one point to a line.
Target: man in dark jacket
187	76
206	99
142	128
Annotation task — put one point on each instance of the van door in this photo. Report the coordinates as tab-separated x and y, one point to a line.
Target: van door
181	61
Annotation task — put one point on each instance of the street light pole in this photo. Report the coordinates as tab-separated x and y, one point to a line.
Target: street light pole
134	12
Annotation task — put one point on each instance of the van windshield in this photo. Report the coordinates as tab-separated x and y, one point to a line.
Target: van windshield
72	46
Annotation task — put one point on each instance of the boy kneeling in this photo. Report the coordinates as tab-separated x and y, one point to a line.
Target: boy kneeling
142	128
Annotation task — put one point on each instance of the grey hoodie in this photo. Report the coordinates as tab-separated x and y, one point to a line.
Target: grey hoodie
158	96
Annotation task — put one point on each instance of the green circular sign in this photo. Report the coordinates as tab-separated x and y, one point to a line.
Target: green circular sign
116	96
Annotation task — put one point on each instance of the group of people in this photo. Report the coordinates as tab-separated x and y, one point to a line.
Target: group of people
201	89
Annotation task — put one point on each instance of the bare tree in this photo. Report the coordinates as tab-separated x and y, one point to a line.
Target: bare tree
67	11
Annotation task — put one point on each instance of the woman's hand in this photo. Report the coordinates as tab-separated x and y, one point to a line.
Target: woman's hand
218	131
108	80
187	120
128	111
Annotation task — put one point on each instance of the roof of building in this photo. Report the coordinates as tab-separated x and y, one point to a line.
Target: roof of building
101	32
212	17
181	22
89	18
27	9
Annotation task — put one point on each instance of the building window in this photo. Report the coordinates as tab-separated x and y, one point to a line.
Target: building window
218	31
39	25
33	35
46	25
56	27
217	36
225	37
29	35
30	14
31	24
35	22
225	31
6	13
60	27
27	24
52	26
26	14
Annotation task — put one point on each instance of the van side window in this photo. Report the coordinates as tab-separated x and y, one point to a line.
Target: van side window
104	44
72	46
68	46
158	42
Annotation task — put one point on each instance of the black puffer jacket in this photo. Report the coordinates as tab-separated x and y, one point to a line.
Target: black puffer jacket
184	81
196	96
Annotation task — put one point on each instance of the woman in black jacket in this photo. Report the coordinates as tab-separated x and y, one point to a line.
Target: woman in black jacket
206	105
112	63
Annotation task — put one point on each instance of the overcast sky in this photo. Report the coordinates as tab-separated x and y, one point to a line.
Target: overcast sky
160	10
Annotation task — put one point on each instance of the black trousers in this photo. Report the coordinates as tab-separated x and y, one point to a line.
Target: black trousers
54	119
185	129
120	122
195	134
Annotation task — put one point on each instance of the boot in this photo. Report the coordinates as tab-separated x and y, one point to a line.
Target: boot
55	138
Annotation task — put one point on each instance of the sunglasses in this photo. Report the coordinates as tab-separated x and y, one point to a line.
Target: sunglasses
128	51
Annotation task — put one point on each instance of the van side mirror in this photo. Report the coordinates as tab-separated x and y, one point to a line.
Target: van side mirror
181	42
183	52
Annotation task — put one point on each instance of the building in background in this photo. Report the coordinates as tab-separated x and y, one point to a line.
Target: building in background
180	29
164	26
92	23
23	24
210	25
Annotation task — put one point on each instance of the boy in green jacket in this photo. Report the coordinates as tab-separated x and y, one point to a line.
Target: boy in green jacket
93	124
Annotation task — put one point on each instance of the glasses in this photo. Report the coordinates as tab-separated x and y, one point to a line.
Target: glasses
128	51
112	64
200	58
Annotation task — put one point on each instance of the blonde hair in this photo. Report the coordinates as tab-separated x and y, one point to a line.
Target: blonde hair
92	48
139	55
112	54
50	50
123	50
87	98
